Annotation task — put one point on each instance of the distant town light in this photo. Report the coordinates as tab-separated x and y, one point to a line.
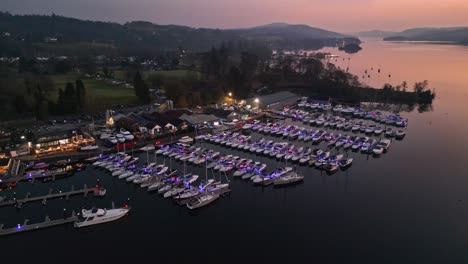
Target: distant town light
257	100
230	94
23	137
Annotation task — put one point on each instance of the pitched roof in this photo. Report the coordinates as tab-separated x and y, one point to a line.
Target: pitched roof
221	113
199	118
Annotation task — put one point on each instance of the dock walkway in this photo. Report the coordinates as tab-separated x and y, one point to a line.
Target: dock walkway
30	227
50	195
48	174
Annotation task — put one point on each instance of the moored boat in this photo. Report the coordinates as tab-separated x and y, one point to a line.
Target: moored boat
202	200
103	216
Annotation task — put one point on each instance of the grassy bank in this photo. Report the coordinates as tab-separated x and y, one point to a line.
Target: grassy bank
99	93
176	74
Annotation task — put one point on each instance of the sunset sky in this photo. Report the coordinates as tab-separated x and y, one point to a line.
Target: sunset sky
338	15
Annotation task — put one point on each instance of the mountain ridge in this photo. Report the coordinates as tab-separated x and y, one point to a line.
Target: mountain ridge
140	37
457	35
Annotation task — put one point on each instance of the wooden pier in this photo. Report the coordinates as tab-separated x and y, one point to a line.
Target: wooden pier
31	227
48	174
19	202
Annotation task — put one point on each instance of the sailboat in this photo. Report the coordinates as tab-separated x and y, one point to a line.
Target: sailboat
203	199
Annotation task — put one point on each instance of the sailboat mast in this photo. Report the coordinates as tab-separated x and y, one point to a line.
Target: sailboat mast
206	170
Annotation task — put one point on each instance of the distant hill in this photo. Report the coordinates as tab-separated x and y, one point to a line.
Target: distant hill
284	30
287	36
58	35
458	35
374	34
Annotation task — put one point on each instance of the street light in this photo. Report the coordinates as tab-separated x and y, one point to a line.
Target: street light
257	102
230	94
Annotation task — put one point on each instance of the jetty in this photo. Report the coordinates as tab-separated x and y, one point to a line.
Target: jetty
31	227
52	174
19	202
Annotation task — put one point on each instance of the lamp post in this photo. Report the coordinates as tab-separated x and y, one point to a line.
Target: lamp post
231	97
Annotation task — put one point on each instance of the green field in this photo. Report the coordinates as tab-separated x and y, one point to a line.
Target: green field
99	93
176	74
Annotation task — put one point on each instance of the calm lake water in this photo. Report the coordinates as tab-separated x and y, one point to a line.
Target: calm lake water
408	206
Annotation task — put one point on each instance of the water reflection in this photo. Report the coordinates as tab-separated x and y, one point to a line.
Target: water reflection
398	108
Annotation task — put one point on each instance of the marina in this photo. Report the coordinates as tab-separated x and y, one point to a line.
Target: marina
282	152
225	133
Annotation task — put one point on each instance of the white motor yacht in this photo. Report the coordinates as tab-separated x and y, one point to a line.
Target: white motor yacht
103	216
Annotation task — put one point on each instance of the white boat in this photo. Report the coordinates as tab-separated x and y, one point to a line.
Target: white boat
217	188
92	212
239	173
112	140
378	131
356	145
133	177
304	159
127	135
247	176
155	186
377	150
160	151
88	148
120	138
366	146
187	194
389	132
112	169
337	157
400	134
191	179
160	169
186	140
93	160
126	174
278	173
149	182
173	191
369	129
104	136
384	143
345	162
142	179
118	172
289	178
280	155
212	165
202	200
148	148
330	167
104	216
